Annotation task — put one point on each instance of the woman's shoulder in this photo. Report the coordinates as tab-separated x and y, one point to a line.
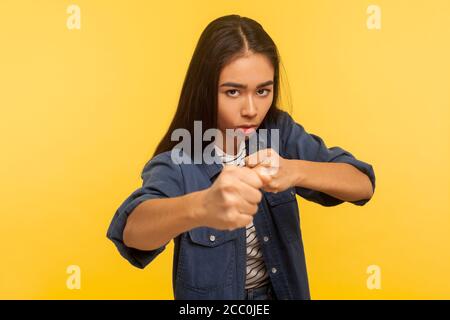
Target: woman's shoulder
285	124
173	159
160	162
279	119
160	157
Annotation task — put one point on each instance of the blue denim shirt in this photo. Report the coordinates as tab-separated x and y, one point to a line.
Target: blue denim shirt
206	267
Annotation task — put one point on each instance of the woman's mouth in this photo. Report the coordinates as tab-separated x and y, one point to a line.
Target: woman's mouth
247	129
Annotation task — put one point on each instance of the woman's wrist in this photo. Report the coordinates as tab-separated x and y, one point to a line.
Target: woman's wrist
297	168
196	208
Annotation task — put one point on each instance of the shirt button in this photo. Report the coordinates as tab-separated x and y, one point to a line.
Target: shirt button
293	193
212	238
274	270
266	239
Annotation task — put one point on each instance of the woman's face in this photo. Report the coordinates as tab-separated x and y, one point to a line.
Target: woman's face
245	94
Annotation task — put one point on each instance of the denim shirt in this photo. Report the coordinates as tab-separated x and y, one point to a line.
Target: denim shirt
210	263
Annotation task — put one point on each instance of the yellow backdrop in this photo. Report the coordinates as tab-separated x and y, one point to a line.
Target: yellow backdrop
84	105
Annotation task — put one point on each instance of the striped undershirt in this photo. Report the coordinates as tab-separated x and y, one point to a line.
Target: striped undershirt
256	273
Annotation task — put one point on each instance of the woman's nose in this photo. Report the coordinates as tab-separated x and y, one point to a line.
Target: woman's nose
249	108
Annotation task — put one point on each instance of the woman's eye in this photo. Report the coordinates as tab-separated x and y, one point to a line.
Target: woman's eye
263	92
232	92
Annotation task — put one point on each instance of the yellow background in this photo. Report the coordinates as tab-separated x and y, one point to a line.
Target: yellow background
83	110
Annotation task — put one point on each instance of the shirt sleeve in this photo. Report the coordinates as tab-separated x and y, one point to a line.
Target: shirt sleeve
299	144
161	179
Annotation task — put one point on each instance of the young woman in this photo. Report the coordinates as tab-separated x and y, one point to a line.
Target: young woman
236	227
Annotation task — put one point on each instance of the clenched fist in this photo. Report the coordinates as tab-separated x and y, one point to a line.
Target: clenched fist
282	173
232	200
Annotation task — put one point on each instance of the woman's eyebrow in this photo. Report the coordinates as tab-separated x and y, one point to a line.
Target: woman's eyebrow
244	86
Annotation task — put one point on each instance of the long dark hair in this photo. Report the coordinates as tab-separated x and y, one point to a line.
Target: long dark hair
224	39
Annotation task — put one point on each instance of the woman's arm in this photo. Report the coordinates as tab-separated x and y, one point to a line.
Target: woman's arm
150	226
228	204
340	180
326	179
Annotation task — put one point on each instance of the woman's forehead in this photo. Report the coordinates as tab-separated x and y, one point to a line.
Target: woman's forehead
250	70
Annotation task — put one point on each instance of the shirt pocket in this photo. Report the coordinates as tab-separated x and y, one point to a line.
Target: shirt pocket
285	213
275	199
210	237
207	259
